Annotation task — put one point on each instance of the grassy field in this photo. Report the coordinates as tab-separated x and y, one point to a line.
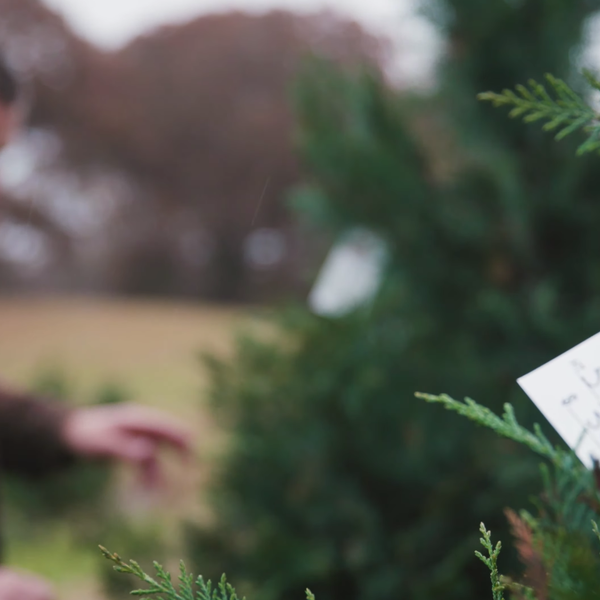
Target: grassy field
149	349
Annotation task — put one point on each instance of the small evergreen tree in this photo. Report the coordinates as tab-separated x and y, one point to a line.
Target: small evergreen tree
334	478
558	548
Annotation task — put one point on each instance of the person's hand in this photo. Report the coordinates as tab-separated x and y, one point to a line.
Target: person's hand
20	586
125	432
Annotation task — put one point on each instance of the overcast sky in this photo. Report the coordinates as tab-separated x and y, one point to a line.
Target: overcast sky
112	23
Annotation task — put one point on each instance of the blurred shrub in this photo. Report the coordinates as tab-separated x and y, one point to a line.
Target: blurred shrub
51	382
336	478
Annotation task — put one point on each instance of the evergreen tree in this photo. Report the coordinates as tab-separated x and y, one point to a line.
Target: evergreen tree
554	548
336	478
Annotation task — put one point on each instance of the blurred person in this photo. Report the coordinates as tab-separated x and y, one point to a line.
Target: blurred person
38	437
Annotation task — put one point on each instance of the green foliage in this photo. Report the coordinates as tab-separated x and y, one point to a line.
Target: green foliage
163	585
559	548
557	551
333	475
143	539
491	562
316	485
354	138
506	426
566	112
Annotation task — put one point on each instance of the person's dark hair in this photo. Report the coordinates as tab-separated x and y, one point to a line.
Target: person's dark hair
9	87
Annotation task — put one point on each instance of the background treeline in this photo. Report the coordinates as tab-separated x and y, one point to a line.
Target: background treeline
162	168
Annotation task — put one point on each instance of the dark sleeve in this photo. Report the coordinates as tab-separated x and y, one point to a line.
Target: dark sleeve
30	434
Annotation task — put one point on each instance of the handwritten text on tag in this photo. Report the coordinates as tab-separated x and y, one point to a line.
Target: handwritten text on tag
567	392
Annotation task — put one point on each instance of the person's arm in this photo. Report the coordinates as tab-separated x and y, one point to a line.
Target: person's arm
126	433
31	434
38	436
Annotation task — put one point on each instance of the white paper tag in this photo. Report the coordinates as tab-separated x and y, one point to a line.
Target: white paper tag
567	392
351	274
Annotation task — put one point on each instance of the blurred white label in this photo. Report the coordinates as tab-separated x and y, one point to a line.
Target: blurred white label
567	392
351	274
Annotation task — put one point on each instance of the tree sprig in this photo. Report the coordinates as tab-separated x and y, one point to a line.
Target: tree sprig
163	585
564	110
500	584
491	562
507	425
